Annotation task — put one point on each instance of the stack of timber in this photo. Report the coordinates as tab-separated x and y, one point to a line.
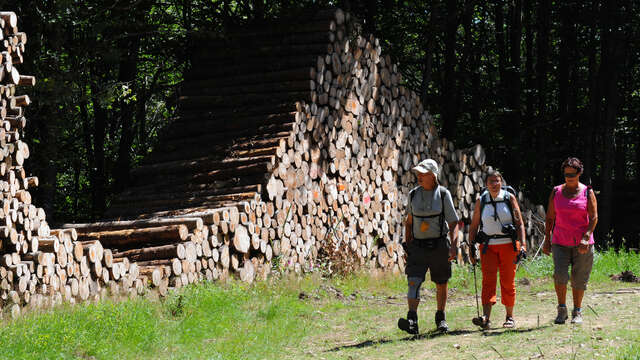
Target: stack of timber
293	140
39	266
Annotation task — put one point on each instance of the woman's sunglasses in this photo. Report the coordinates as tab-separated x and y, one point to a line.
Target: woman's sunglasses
570	175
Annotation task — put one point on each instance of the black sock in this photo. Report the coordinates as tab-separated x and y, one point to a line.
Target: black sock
412	315
439	315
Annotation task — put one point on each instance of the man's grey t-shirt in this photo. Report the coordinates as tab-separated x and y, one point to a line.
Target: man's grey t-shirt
426	203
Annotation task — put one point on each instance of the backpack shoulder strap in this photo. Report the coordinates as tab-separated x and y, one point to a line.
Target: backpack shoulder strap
483	201
412	193
507	200
509	189
443	193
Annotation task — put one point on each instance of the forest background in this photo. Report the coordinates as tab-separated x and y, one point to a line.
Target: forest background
532	81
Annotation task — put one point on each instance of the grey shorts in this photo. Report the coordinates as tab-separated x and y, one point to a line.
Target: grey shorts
581	265
420	259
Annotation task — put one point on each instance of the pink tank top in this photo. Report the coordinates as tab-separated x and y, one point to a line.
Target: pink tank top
572	218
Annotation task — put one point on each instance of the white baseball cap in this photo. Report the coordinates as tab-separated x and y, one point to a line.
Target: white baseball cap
428	165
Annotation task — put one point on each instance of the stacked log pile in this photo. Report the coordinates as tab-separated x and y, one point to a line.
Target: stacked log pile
176	251
38	265
293	141
237	111
293	144
345	170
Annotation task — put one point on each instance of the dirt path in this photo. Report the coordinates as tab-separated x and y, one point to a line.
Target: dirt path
365	328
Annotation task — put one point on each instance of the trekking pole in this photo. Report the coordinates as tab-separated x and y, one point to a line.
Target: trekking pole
475	285
475	280
537	251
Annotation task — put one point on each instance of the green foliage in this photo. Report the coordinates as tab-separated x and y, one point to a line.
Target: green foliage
203	321
629	352
611	262
101	330
605	264
540	267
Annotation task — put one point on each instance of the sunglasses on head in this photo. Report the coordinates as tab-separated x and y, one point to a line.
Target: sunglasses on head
570	175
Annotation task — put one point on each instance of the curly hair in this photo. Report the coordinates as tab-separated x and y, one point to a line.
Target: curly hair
572	162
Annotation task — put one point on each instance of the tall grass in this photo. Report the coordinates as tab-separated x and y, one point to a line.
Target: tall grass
605	263
101	330
234	321
630	352
612	262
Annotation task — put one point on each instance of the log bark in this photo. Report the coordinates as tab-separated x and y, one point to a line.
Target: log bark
190	223
154	253
158	234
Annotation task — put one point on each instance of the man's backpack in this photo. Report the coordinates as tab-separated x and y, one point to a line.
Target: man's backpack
441	215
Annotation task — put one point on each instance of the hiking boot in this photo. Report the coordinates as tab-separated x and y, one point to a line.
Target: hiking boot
441	323
562	315
408	325
443	326
576	316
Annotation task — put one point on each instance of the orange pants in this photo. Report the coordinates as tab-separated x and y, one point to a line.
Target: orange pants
499	258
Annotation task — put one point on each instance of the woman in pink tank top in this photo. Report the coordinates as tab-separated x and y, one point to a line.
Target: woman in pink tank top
572	215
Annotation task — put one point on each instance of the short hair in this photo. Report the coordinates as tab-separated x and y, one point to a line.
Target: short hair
493	172
572	162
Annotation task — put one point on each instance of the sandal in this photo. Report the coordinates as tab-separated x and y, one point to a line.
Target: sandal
509	323
482	321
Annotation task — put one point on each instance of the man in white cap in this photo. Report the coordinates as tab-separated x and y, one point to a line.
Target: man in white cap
430	217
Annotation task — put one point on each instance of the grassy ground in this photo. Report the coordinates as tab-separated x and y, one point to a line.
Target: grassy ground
340	318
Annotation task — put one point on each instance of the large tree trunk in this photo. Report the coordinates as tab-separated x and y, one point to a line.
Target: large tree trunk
371	11
594	109
258	9
528	141
128	72
564	60
544	23
89	149
567	75
430	35
97	173
141	116
449	88
500	46
513	124
637	141
612	51
620	172
470	79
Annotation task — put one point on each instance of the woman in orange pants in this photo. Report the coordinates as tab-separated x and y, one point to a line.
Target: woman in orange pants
501	239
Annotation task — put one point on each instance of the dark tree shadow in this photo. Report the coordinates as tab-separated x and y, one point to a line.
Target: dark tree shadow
498	332
432	334
427	335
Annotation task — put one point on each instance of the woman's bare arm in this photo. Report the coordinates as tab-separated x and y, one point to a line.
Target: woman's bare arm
518	221
592	209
